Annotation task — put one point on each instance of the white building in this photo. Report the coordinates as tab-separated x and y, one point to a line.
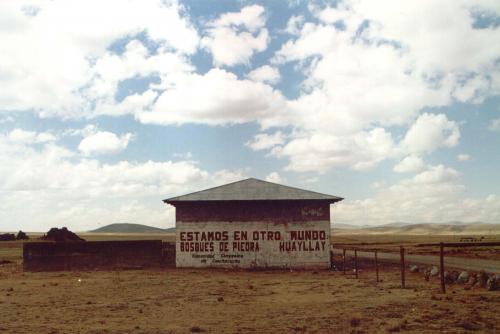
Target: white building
253	224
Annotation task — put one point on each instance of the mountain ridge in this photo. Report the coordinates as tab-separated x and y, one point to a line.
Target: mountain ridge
390	228
131	228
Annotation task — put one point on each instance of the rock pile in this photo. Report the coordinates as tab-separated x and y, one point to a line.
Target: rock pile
468	279
12	237
492	283
463	277
22	236
7	237
61	235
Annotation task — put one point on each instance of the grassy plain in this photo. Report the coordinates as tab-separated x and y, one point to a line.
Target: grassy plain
220	301
412	242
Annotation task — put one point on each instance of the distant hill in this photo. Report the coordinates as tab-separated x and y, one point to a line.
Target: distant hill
131	228
391	228
421	228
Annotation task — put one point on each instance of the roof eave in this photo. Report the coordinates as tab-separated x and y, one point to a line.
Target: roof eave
173	201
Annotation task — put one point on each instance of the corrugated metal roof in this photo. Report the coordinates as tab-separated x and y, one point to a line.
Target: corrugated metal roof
253	190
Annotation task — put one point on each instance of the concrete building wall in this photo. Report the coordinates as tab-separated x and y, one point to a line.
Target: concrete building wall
253	244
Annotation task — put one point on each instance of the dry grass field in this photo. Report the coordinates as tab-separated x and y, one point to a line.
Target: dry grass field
215	301
392	243
219	301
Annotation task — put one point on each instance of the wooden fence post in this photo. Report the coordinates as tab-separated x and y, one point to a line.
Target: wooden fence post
356	261
402	253
441	267
343	260
376	265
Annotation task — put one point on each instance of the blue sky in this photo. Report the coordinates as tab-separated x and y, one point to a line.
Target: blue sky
107	108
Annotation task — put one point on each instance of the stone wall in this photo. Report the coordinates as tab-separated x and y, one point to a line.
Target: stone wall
90	255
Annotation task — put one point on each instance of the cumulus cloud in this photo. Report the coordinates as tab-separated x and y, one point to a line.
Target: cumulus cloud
104	142
434	195
436	174
368	74
217	97
64	189
410	164
430	132
366	68
55	63
233	38
30	137
84	132
294	23
263	141
265	73
322	151
275	177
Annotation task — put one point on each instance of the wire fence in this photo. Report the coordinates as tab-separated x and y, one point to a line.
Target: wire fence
402	261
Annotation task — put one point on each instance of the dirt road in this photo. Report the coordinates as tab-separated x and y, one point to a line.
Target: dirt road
489	266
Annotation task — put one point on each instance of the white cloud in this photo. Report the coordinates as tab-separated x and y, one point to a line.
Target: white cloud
463	157
436	174
411	163
265	73
435	46
430	132
64	189
494	125
263	141
312	40
215	98
294	24
30	137
233	38
367	68
83	132
275	177
104	142
435	195
322	151
52	60
251	17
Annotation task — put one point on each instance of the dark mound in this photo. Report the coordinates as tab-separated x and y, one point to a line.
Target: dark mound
130	228
7	237
61	235
22	236
12	237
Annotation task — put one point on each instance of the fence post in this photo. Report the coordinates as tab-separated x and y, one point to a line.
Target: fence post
331	259
343	260
376	265
441	266
356	261
402	254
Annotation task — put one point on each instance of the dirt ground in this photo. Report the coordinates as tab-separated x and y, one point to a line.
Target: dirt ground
218	301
